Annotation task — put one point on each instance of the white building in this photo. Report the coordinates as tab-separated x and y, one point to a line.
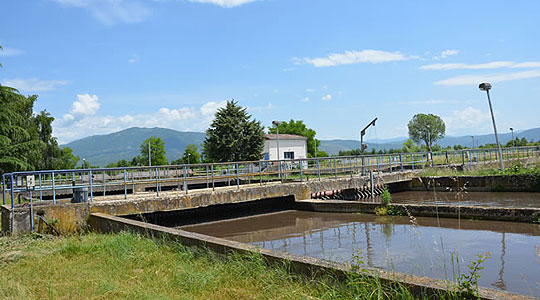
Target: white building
290	147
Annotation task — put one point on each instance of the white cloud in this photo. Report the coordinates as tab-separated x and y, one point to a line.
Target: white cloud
310	90
85	105
354	57
6	51
468	118
110	12
489	65
33	84
327	97
210	108
305	99
225	3
477	79
446	53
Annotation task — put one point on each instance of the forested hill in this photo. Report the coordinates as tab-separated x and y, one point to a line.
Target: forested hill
103	149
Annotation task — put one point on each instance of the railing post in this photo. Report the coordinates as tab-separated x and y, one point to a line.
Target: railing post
351	164
207	183
412	161
318	170
228	175
378	165
185	182
371	184
390	162
335	168
260	173
280	169
53	189
125	184
237	176
363	166
213	183
31	212
301	172
40	191
401	161
91	186
103	182
12	195
157	181
3	189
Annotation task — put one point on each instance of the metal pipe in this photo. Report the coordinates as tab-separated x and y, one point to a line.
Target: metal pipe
91	186
53	188
3	189
12	194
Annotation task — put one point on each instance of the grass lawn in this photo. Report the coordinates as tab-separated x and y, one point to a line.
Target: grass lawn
128	266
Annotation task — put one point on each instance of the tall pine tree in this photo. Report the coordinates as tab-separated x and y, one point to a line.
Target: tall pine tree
233	136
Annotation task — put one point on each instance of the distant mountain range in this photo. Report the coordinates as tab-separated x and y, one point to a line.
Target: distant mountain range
334	146
103	149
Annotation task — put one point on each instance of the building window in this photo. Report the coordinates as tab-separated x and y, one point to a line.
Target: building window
289	155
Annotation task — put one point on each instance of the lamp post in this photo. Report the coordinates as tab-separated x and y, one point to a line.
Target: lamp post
513	141
486	87
149	155
188	155
276	123
472	136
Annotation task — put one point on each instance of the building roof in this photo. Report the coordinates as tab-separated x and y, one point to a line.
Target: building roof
284	137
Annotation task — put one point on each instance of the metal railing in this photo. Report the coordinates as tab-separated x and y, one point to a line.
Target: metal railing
52	184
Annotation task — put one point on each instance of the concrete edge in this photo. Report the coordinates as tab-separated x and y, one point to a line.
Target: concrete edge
301	264
522	215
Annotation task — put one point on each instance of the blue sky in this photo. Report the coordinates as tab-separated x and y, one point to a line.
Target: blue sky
99	66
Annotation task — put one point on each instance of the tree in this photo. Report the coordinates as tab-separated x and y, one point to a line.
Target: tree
157	152
299	128
427	128
26	141
410	146
19	145
190	156
233	136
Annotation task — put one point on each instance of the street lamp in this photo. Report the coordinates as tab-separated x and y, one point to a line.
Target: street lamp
486	87
513	141
149	155
277	123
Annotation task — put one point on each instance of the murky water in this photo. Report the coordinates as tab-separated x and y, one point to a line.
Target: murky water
423	246
490	199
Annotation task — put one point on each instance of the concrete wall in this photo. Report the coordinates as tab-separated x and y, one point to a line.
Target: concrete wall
73	217
425	210
497	183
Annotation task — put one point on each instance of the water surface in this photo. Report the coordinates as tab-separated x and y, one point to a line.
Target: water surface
421	246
